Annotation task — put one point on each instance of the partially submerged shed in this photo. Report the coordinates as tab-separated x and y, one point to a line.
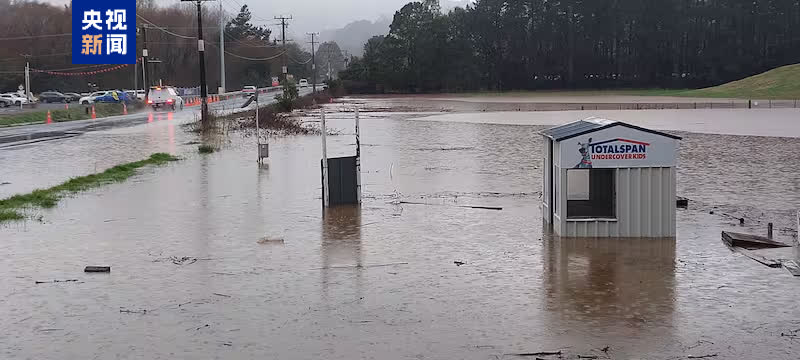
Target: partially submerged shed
605	178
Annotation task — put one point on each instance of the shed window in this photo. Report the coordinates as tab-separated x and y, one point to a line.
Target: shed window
591	193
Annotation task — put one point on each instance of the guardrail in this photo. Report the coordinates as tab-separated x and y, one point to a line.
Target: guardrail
212	98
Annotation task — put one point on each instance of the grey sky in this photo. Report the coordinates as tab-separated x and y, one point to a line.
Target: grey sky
308	15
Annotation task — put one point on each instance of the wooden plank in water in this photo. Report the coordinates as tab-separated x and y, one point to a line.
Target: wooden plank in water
792	267
748	241
768	262
97	269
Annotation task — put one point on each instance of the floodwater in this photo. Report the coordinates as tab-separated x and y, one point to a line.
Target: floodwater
232	260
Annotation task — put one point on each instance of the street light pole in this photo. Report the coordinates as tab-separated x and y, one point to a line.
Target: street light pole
201	52
221	48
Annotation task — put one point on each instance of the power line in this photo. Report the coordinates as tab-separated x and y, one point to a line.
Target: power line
35	56
251	13
35	36
165	30
249	58
301	62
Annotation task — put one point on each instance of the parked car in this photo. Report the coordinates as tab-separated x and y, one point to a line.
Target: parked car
86	100
248	90
164	97
72	97
6	102
303	83
16	99
113	96
52	97
131	94
140	94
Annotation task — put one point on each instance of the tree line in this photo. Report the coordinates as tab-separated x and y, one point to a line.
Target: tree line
554	44
39	34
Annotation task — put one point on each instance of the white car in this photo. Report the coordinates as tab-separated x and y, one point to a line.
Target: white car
86	100
303	83
249	90
164	97
16	99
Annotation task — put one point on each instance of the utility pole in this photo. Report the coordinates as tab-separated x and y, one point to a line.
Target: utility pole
313	63
285	67
145	75
221	48
28	93
201	50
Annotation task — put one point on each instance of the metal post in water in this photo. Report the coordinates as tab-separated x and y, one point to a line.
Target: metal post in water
358	157
325	198
258	130
769	231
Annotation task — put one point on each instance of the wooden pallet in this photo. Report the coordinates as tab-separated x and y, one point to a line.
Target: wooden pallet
750	242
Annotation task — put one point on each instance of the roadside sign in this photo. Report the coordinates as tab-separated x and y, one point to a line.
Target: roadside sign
103	32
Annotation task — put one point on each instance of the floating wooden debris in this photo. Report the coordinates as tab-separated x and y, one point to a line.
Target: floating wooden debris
538	353
682	202
750	242
97	269
792	267
763	260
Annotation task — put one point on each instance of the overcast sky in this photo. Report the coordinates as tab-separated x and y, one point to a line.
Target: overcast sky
308	15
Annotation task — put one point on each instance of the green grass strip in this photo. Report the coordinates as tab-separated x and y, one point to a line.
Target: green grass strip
11	209
75	112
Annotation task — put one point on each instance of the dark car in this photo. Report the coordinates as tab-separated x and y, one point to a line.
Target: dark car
52	97
113	96
72	97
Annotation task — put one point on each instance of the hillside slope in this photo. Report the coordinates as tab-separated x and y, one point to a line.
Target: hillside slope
779	83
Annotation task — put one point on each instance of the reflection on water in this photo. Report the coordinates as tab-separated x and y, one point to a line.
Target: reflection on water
341	245
607	281
615	288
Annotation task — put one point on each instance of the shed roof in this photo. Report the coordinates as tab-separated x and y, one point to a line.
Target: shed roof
592	124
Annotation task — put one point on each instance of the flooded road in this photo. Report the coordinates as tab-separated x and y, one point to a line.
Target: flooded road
215	257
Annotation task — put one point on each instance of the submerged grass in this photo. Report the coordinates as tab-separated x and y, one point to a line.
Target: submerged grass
205	149
11	208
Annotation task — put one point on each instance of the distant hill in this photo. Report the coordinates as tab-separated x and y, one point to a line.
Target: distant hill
354	35
779	83
450	5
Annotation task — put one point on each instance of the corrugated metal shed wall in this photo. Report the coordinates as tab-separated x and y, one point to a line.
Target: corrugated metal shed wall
645	206
547	168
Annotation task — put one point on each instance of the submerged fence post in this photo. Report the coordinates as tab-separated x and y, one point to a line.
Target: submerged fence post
325	198
358	157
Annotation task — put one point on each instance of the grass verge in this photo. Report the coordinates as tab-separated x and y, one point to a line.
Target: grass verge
13	208
75	112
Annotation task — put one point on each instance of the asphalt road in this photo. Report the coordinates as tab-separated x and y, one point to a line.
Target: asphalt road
28	134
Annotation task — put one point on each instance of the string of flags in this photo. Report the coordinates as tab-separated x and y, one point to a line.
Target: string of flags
82	73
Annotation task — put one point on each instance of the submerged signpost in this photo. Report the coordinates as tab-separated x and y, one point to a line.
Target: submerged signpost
341	177
263	149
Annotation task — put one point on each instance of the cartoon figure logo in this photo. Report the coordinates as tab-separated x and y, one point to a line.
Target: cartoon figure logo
586	155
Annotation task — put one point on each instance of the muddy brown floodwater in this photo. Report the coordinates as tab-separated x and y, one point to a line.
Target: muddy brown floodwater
215	257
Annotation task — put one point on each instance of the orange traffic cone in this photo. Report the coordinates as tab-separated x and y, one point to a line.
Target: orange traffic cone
49	118
94	115
124	109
